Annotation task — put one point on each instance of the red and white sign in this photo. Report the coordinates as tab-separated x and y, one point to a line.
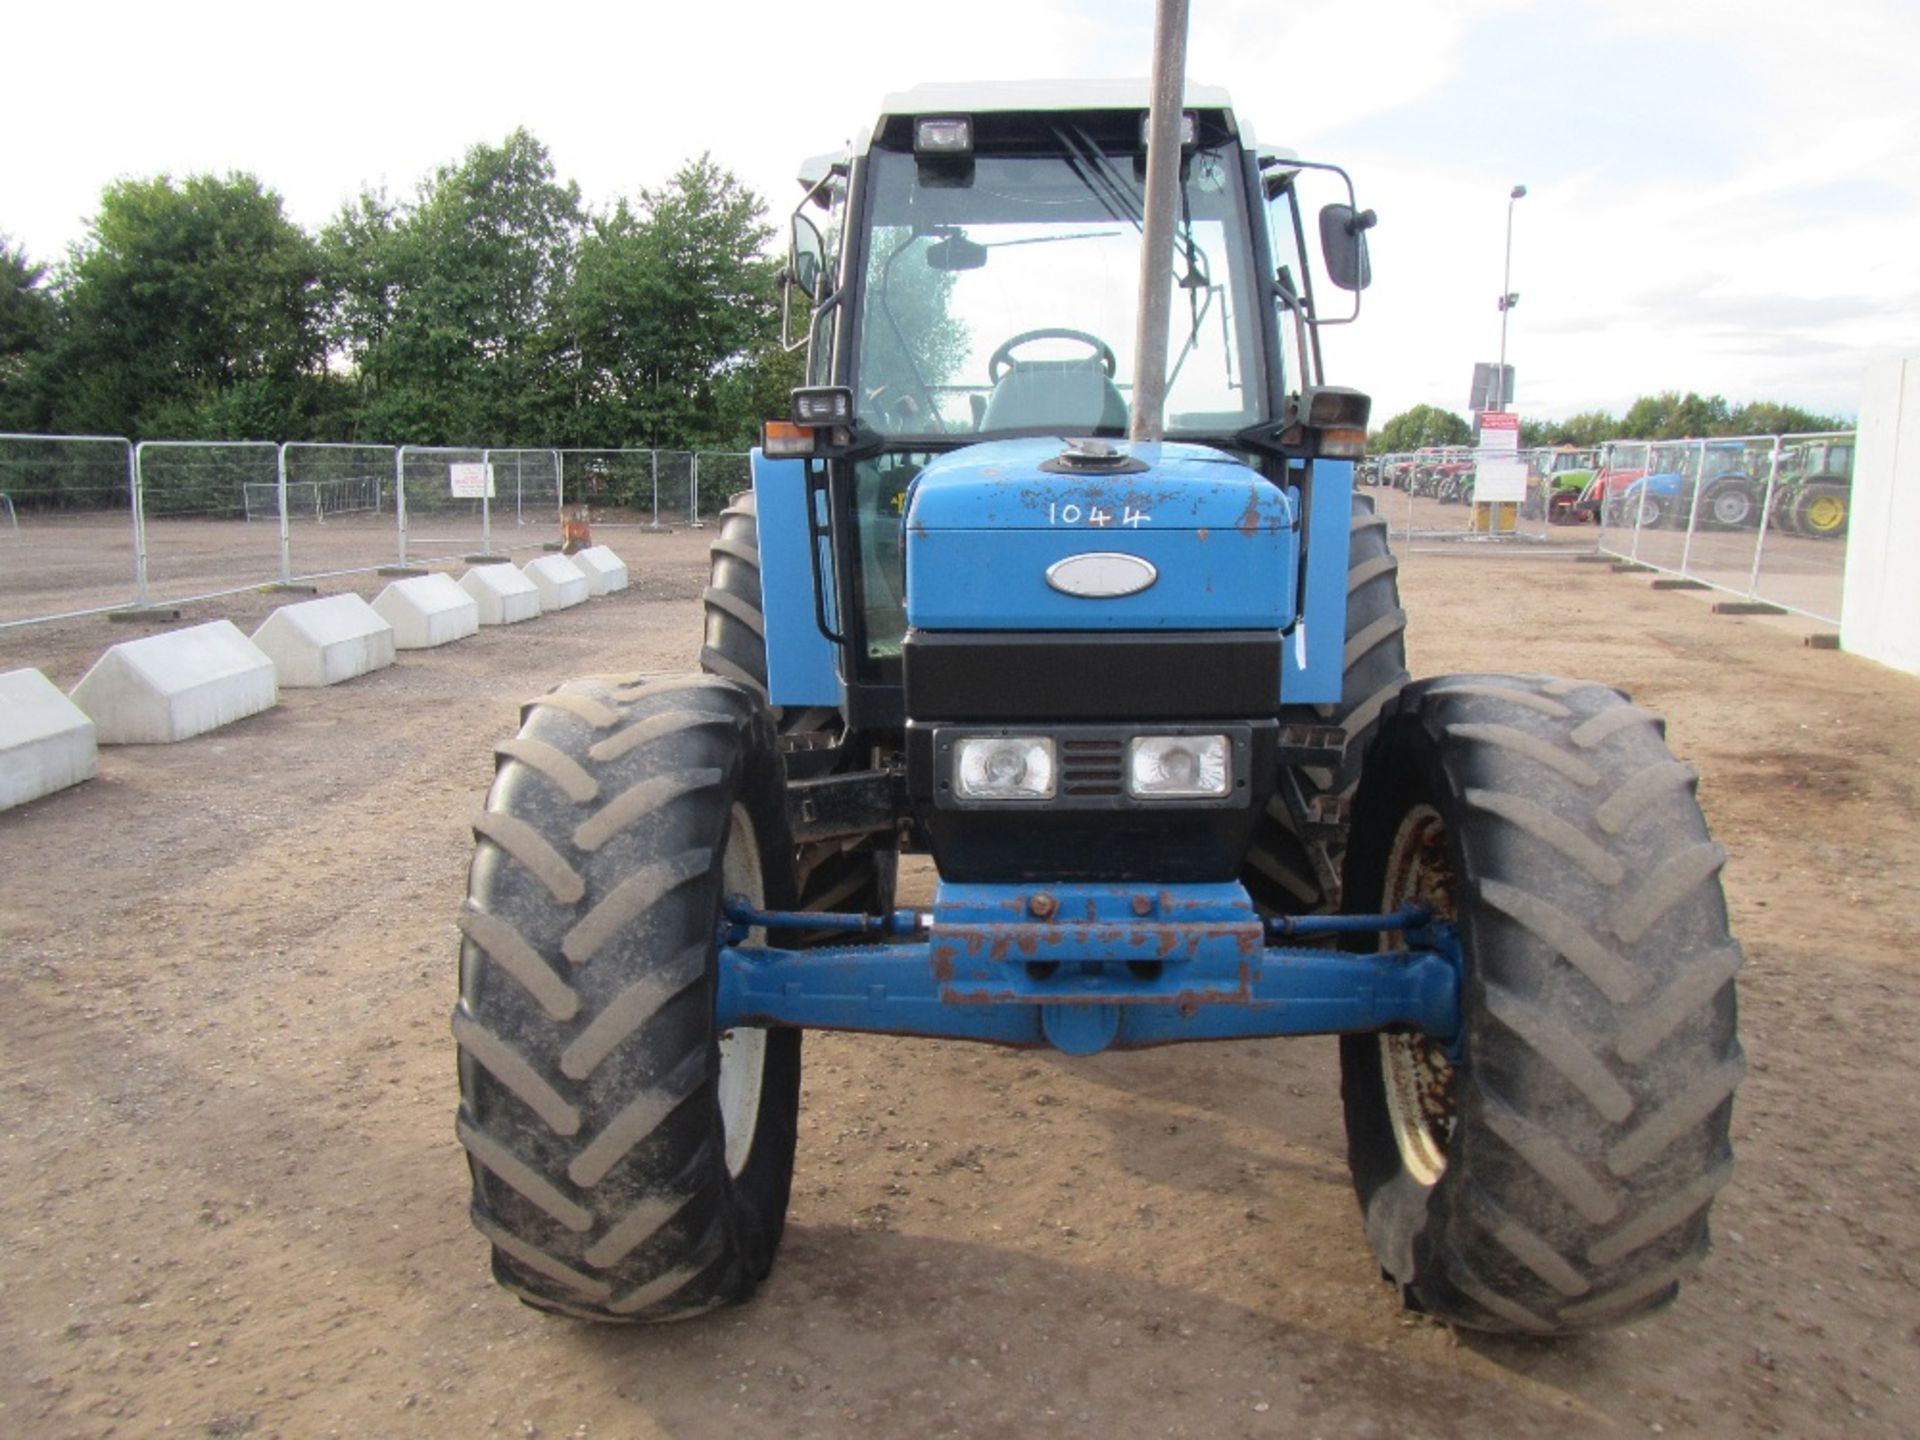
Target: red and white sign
1499	475
1499	430
470	480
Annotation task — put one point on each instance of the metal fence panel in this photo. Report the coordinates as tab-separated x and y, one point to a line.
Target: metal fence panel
1760	517
676	487
67	535
719	475
1427	498
617	487
192	515
340	515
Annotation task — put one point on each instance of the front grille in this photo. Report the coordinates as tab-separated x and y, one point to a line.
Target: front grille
1092	767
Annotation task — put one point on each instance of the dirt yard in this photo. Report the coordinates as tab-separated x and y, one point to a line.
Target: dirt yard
233	1203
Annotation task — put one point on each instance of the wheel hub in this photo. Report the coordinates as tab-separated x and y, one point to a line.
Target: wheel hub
1419	1079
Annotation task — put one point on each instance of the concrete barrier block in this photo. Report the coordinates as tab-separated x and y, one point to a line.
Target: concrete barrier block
46	741
175	685
606	572
322	642
562	584
428	610
504	596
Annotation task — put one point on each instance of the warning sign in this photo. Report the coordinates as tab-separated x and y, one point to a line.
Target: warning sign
1499	475
470	481
1500	430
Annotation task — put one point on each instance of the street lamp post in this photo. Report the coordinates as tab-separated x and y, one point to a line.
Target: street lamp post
1507	301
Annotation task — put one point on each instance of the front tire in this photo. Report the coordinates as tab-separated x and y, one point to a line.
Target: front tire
628	1162
1555	1173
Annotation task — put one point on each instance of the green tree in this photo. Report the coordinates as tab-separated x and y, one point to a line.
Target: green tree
1421	426
446	312
29	318
674	316
180	296
910	338
1765	417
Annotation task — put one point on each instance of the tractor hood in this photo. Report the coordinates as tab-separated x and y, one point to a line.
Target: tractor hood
1048	534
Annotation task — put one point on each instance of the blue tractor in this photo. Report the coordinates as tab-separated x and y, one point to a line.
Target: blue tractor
1144	703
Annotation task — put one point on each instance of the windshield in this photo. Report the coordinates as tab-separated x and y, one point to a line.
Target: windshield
1002	300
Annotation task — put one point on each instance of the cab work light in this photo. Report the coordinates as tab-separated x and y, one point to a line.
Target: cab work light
1189	129
818	405
943	135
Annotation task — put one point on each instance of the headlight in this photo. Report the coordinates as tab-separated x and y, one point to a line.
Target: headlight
1003	767
1177	767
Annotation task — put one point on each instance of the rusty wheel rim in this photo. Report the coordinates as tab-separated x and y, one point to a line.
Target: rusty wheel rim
1414	1070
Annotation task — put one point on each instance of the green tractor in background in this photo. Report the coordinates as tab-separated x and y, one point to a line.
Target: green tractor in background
1555	477
1814	493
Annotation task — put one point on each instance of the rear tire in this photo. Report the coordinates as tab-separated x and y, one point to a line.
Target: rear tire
831	875
1823	511
1558	1175
1731	502
1293	866
628	1163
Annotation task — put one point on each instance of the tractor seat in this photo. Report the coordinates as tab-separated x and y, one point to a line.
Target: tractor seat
1055	394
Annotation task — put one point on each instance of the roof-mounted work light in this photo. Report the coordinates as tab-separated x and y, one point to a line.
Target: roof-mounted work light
1189	129
947	135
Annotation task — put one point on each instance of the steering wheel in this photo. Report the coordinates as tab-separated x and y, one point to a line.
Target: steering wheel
1002	359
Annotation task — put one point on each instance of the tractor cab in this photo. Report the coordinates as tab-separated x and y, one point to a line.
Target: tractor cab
967	278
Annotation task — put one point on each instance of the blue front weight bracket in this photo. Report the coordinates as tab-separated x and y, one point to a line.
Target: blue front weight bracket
1085	968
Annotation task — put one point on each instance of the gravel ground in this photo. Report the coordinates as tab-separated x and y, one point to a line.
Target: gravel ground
235	1206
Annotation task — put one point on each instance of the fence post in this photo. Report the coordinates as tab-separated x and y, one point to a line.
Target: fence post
486	502
1766	520
400	502
1639	506
1693	510
655	454
559	486
286	537
138	481
693	491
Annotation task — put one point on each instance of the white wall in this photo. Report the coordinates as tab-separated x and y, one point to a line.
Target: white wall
1880	607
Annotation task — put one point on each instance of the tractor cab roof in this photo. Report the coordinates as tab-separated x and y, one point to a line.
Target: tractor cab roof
985	97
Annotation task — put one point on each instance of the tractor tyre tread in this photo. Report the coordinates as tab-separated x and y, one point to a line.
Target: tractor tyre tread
588	1060
1598	1008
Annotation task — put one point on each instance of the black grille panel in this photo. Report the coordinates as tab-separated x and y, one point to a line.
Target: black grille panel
1092	767
988	675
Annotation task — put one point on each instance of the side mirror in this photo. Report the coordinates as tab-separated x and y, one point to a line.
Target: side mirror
1343	241
807	258
956	252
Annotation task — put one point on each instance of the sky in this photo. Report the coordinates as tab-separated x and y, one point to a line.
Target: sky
1723	195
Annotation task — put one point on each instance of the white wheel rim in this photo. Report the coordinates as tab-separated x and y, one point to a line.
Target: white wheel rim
1413	1072
743	1053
